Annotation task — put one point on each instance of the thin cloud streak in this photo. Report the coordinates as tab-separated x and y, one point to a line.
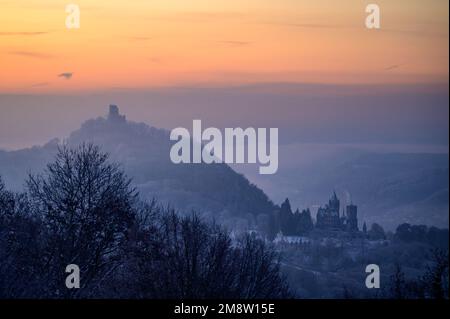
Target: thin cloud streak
66	75
392	67
41	84
139	38
31	54
24	33
236	43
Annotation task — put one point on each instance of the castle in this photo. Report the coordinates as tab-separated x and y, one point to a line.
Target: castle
114	116
329	218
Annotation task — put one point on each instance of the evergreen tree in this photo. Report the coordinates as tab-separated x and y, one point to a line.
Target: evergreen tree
305	223
287	220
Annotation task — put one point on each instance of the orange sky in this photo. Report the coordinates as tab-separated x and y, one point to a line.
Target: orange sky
141	44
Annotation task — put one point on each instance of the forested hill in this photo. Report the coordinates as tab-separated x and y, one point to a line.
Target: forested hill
144	153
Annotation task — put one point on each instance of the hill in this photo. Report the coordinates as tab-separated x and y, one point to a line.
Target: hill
216	190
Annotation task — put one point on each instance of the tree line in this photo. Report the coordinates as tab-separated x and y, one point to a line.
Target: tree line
82	209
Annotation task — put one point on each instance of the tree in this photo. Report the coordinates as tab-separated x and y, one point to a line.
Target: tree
189	258
436	277
20	250
305	223
419	232
86	204
6	198
438	237
82	210
398	283
376	232
258	271
287	220
404	233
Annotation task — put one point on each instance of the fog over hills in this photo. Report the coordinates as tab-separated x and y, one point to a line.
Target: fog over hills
214	190
389	187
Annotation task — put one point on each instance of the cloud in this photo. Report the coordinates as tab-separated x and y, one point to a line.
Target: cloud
392	67
213	15
314	26
31	54
235	43
417	33
40	84
155	60
23	33
308	25
140	38
66	75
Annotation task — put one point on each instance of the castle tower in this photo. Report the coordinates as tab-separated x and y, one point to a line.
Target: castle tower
334	204
352	217
329	216
114	115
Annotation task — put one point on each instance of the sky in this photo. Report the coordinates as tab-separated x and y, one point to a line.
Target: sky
311	68
141	44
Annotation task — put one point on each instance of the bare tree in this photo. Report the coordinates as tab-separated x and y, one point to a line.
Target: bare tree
82	210
436	277
87	207
258	270
19	246
194	259
398	283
